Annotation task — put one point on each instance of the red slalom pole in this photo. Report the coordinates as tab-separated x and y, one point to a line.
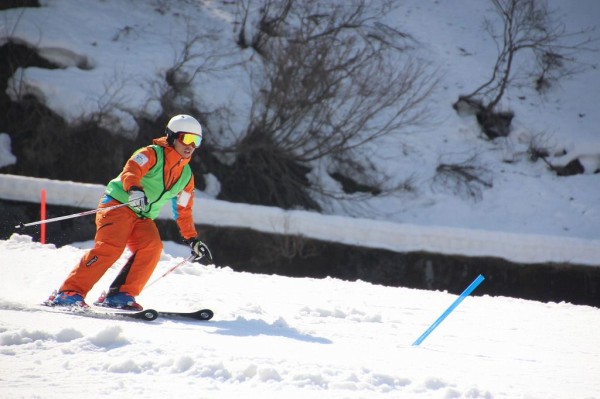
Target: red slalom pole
43	216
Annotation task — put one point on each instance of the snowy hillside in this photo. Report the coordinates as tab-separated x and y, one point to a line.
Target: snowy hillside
273	337
133	43
300	338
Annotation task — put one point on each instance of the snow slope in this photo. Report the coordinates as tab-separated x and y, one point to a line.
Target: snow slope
304	338
274	337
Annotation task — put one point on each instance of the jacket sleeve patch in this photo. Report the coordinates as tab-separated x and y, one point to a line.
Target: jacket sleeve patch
184	198
140	159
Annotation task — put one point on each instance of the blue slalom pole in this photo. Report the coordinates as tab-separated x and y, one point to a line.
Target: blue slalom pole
458	300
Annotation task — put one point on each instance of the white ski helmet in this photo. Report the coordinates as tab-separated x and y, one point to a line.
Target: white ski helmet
182	123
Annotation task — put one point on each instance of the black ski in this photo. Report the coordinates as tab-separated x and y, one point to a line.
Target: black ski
203	315
145	315
103	313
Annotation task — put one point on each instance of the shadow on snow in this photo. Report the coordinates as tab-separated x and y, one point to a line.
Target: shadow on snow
242	327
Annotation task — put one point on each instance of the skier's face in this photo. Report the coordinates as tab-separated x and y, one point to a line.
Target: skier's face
185	151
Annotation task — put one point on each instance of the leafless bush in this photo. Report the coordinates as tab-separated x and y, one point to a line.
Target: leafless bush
539	147
527	26
466	179
333	79
530	26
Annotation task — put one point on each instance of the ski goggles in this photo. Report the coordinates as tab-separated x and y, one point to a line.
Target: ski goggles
189	139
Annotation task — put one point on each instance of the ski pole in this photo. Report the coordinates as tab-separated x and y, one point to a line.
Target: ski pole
75	215
189	258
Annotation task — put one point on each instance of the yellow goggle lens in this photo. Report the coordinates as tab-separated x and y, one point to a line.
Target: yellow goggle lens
190	139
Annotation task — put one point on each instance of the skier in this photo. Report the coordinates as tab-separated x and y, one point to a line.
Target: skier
151	177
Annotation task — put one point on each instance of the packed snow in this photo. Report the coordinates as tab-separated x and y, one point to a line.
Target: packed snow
275	337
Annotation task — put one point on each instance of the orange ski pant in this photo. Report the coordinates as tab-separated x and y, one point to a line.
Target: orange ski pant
115	230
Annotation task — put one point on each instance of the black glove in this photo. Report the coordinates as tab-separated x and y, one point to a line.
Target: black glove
200	251
137	199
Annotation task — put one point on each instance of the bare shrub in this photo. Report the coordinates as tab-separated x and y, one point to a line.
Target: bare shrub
530	26
527	26
466	179
539	147
333	79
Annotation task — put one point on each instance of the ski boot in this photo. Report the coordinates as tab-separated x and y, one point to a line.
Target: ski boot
67	298
120	300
